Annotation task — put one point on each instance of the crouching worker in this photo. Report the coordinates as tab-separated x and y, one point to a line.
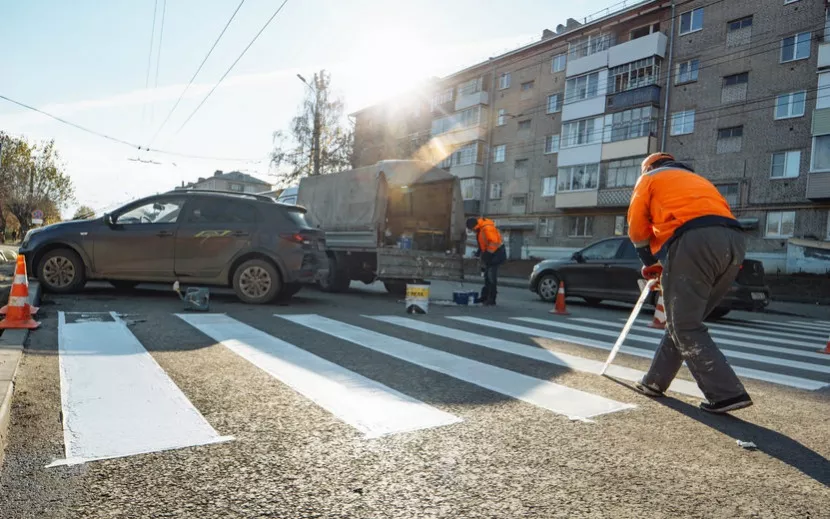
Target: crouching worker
492	254
677	213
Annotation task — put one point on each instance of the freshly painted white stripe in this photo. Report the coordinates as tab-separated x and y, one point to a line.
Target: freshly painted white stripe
787	326
532	352
807	366
751	345
756	329
768	334
369	406
116	400
816	324
547	395
19	278
18	301
787	380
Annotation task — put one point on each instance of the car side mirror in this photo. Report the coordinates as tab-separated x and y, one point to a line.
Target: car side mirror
108	219
577	257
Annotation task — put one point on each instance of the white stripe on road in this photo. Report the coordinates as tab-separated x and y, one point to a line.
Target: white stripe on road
787	380
767	330
369	406
811	354
532	352
788	326
547	395
817	324
116	400
752	332
797	364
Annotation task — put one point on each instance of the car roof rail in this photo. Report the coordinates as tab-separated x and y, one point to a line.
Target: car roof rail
264	198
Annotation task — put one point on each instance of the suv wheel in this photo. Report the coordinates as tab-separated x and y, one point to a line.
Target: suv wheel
547	287
256	282
61	271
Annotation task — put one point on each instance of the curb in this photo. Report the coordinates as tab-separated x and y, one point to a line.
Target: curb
11	351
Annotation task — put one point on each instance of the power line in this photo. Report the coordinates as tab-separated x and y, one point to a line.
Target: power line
233	65
150	59
161	40
181	96
121	141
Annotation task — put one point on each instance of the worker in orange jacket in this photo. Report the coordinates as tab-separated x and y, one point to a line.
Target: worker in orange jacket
492	253
677	214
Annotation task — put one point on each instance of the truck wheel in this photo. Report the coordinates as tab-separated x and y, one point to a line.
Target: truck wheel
61	271
256	282
396	288
337	281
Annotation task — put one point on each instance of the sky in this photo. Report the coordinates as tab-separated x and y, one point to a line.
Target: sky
87	61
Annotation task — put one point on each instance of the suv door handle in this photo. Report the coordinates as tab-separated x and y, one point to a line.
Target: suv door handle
164	234
240	233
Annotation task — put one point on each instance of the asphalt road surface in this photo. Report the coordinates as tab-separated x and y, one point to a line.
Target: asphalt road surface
344	406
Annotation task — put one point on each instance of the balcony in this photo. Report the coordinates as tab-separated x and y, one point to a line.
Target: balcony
468	171
824	55
615	197
580	66
586	154
652	45
629	148
469	100
566	200
472	207
638	96
586	108
821	121
818	186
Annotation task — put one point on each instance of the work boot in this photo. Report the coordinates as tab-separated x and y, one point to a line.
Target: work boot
730	404
648	389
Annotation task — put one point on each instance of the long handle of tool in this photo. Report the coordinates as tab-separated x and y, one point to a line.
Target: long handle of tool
629	323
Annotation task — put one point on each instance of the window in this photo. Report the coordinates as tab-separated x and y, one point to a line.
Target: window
552	144
790	105
495	191
730	140
795	47
589	45
471	188
786	164
470	87
501	117
821	153
623	173
463	156
549	186
457	121
621	229
780	224
504	81
527	86
518	201
736	79
634	75
520	168
554	103
524	126
604	250
789	1
545	227
823	93
740	24
730	133
586	131
157	211
582	87
439	98
731	192
499	152
630	124
642	32
683	123
220	211
828	225
239	188
583	177
558	63
691	21
580	226
687	71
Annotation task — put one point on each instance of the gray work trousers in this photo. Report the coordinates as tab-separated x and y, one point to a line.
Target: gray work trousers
701	266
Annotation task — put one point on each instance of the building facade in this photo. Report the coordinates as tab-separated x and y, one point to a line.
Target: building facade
233	181
548	139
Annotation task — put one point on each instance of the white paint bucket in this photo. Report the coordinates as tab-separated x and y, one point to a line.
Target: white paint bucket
417	299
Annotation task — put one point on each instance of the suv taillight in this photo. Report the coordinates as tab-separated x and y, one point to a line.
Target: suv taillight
296	238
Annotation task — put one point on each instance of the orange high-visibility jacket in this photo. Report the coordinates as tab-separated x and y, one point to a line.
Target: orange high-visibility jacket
489	238
670	200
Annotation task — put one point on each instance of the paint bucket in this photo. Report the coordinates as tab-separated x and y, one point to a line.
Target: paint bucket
461	297
405	242
417	299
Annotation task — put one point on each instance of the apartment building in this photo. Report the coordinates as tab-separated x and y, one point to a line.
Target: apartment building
234	181
547	139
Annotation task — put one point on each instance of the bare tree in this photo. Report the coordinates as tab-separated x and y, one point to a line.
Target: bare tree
320	143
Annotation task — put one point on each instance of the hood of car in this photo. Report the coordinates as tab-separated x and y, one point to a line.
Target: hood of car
62	227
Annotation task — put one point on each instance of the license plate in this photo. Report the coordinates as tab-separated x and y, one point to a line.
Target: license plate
758	296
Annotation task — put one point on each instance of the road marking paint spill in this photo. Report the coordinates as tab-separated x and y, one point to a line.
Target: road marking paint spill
787	380
116	399
557	398
533	352
369	406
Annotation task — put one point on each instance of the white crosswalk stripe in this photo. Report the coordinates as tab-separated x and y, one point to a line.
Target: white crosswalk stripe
547	395
768	330
800	328
645	352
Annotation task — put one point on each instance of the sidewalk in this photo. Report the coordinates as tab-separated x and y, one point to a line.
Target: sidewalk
812	311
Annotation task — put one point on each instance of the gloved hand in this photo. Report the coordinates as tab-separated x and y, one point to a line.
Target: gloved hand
652	271
477	253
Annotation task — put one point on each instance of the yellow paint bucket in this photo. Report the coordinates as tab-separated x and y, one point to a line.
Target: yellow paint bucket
417	299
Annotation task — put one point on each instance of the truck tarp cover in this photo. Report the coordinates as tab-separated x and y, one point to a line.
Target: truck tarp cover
355	200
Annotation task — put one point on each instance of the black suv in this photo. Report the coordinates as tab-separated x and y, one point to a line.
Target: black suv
263	249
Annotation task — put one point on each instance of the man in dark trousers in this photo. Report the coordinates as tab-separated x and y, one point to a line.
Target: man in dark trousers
676	213
492	254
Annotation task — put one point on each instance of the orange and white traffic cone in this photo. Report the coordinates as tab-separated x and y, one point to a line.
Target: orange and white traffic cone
659	320
19	312
826	348
559	308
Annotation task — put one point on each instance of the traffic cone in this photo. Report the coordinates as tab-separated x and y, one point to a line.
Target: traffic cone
659	320
559	308
19	312
826	348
